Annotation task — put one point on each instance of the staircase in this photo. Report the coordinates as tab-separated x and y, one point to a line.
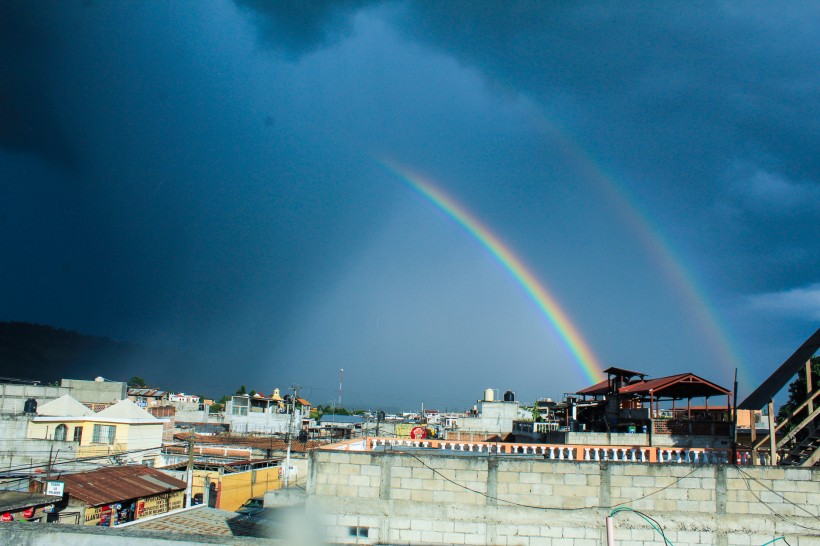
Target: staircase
806	453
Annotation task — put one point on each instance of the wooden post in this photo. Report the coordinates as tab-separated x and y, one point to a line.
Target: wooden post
753	432
808	392
772	439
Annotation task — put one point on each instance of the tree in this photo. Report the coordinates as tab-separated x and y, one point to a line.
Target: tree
241	390
797	393
137	382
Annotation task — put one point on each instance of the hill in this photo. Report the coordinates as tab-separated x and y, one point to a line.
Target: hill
47	354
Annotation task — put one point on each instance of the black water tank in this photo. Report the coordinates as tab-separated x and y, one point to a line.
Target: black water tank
30	407
509	396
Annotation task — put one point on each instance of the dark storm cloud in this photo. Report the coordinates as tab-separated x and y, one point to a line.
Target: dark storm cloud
30	101
673	100
299	27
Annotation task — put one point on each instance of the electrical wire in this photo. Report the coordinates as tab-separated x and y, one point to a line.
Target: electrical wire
653	522
775	540
513	503
780	516
763	485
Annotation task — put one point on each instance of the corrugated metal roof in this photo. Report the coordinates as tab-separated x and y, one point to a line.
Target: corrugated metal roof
256	442
682	385
147	392
598	388
119	483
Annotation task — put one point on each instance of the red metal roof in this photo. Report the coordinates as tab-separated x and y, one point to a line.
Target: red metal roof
119	483
597	388
682	385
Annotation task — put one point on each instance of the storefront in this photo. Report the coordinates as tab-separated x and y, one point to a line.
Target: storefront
112	496
21	506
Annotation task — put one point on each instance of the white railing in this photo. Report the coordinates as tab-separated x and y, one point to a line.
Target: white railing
560	452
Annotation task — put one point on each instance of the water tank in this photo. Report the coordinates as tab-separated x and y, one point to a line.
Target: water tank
489	395
509	396
30	407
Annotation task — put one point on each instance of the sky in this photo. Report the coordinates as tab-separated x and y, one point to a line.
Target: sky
630	184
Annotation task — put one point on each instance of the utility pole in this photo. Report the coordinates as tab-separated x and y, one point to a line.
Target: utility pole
190	486
295	390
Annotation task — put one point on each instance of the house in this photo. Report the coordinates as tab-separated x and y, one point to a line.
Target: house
148	398
118	494
123	431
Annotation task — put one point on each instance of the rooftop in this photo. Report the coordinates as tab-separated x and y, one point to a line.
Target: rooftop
118	483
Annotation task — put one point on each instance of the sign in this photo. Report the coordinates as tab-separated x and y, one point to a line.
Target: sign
418	433
28	513
6	517
159	504
55	488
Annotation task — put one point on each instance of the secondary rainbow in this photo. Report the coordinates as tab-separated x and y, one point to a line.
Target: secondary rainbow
539	294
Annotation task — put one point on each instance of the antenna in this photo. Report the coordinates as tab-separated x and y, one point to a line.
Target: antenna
341	371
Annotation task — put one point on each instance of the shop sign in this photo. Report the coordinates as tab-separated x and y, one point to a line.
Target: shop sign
55	488
151	506
418	433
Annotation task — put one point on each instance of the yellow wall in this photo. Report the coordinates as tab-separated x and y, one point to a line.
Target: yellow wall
128	436
235	488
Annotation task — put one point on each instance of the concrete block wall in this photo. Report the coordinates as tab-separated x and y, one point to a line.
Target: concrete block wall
418	497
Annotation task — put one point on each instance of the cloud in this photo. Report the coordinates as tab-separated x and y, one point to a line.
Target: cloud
801	303
30	120
296	28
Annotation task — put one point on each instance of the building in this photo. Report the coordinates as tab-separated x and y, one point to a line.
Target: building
258	413
114	495
148	398
226	484
15	393
124	432
100	391
439	492
491	416
23	506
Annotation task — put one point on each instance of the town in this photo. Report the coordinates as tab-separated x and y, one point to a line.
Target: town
131	459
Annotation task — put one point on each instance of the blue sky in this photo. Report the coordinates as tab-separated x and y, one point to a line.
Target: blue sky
207	177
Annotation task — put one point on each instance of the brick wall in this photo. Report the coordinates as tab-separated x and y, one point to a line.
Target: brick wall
418	497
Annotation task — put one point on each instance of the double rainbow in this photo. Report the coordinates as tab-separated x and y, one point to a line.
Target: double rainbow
543	299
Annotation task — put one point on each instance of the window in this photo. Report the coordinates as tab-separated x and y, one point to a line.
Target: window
78	434
60	433
148	462
104	434
359	531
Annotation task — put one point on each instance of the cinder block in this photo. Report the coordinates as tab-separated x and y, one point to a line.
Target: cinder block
361	459
371	470
701	495
452	538
410	535
400	494
431	537
359	480
444	526
576	479
401	472
347	491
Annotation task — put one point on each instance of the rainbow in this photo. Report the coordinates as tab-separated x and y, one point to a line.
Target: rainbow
539	294
684	282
